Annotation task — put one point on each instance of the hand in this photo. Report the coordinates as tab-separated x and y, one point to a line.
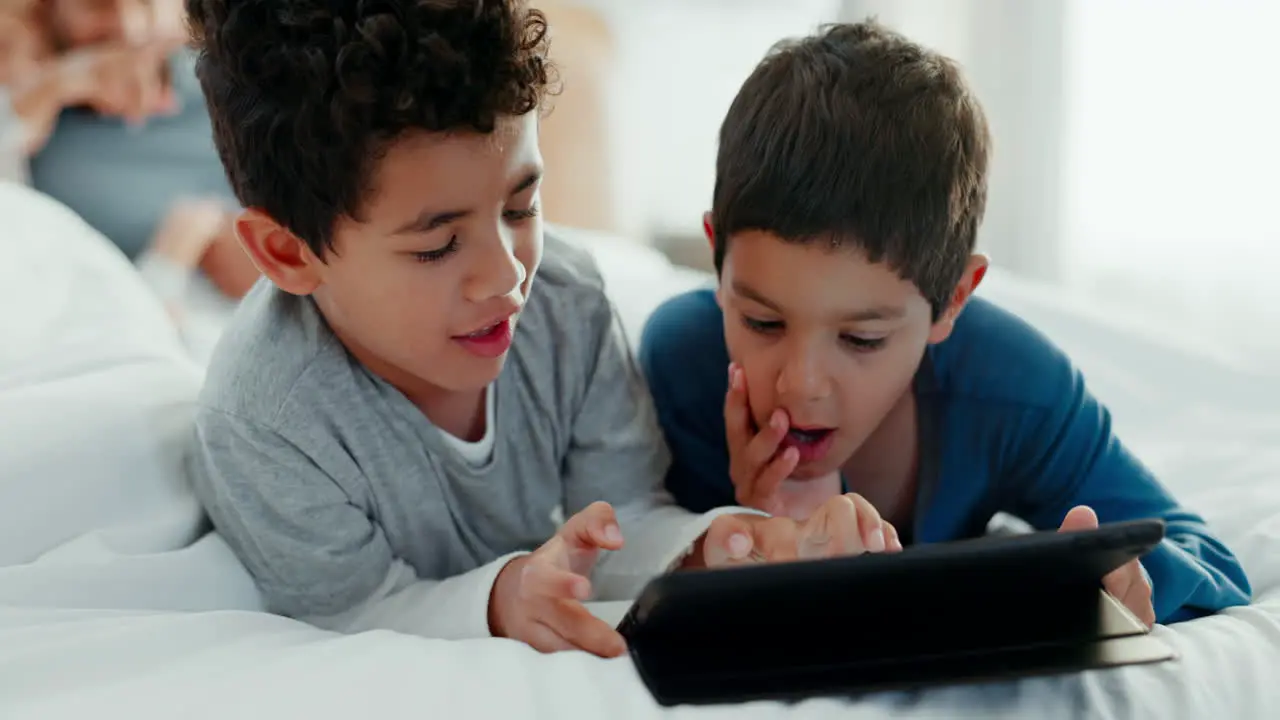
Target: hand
22	46
538	598
847	525
844	525
1128	583
188	229
129	81
227	265
38	99
756	467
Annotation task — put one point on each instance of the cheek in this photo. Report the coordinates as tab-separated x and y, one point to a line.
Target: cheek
875	384
406	312
760	364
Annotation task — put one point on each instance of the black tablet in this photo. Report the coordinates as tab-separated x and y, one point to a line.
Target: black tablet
949	612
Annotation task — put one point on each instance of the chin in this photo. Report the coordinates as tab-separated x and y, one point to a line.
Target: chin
815	471
477	373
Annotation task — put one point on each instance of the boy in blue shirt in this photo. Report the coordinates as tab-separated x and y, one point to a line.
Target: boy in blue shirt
843	350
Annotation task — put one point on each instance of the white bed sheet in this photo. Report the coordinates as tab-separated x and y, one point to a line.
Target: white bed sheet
114	599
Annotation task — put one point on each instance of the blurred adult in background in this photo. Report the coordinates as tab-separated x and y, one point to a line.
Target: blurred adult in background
105	115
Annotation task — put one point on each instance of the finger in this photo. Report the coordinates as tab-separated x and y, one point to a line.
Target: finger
776	539
832	530
1140	604
1117	582
544	639
572	621
737	413
870	524
132	75
761	448
728	541
762	492
135	21
146	93
546	580
130	96
168	100
595	526
159	54
1081	517
891	540
1129	585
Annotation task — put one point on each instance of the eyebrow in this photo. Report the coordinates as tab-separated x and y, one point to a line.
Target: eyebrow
429	220
881	312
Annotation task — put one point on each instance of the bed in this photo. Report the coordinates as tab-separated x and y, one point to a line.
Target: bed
114	597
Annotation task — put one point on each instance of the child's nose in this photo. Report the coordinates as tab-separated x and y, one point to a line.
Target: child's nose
498	273
803	378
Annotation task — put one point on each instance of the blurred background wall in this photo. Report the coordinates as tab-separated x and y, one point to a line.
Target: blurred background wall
1137	142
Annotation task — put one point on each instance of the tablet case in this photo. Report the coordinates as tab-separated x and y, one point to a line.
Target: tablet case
892	622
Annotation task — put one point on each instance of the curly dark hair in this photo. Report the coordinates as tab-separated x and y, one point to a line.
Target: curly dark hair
305	96
856	135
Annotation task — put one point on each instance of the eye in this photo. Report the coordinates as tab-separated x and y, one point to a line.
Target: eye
763	327
863	344
430	256
516	216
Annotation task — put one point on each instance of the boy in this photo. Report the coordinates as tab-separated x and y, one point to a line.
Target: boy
362	441
850	183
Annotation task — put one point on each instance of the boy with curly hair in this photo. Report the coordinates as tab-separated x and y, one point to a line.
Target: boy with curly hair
843	349
397	418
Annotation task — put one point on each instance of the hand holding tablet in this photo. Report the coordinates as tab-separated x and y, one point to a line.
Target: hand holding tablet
1127	584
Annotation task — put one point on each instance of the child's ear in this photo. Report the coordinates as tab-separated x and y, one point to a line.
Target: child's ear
974	271
278	253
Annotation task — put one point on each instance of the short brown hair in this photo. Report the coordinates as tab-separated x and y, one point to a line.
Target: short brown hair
856	135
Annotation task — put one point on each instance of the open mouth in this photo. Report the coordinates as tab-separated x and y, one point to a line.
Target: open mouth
486	332
812	443
809	436
495	327
490	341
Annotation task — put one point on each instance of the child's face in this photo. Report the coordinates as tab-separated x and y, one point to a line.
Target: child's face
425	287
826	336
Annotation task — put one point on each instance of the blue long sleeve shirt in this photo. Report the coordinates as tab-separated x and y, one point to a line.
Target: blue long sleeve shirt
1006	425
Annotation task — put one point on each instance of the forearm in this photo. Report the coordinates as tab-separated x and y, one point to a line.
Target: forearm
453	609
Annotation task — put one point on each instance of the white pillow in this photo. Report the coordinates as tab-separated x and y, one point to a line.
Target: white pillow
95	387
69	300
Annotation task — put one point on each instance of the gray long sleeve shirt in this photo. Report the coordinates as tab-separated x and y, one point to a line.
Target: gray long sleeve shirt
351	510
